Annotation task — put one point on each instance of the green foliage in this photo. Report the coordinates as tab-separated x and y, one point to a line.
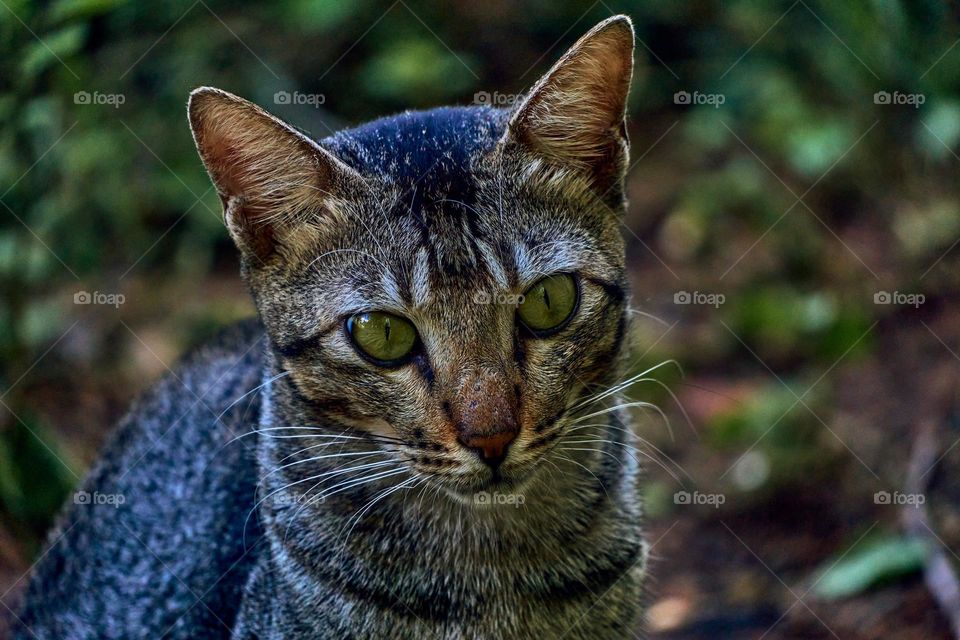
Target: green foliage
34	480
870	564
95	195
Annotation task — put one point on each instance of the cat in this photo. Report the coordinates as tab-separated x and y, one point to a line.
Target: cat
419	436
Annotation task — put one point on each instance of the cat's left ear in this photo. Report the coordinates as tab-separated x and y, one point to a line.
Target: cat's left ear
575	115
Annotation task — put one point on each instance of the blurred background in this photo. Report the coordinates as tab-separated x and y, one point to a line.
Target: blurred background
792	232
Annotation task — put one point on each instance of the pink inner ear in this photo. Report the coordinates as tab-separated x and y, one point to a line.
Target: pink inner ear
225	156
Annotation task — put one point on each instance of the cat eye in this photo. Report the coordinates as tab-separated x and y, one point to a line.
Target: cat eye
549	304
382	337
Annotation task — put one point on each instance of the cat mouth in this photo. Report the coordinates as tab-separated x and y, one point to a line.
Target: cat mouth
490	492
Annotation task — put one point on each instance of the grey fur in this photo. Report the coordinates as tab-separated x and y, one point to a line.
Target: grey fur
364	515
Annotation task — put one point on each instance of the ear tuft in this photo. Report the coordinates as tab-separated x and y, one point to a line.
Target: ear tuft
574	116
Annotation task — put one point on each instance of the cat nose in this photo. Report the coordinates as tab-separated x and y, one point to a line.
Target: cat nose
492	448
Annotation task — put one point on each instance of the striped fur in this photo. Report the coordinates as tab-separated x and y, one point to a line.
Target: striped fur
370	510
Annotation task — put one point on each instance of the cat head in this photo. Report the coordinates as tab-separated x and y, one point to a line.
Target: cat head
449	282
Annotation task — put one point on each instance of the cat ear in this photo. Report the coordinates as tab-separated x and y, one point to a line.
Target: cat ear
575	115
271	178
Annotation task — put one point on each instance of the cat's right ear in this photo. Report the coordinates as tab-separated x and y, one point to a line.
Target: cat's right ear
271	178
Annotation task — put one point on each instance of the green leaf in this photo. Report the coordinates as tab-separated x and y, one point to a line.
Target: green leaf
52	48
882	561
72	9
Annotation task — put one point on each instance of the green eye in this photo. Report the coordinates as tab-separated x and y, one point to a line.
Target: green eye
384	338
549	303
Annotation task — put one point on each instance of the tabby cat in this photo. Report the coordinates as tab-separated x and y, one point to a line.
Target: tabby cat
419	436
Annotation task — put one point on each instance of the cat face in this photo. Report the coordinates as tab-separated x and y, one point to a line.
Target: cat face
450	282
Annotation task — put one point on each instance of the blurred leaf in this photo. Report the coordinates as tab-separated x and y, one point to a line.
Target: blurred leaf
817	145
417	71
870	564
51	49
939	130
65	10
315	15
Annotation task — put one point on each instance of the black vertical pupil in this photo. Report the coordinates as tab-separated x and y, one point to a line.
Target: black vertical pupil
386	329
546	297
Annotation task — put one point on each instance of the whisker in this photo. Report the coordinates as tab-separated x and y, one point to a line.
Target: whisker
646	455
366	454
676	401
633	311
255	389
293	483
606	453
348	484
627	405
602	486
620	386
383	494
643	440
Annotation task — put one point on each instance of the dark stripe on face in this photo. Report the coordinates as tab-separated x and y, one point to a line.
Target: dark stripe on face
602	362
616	291
546	422
422	363
325	407
296	347
544	440
519	347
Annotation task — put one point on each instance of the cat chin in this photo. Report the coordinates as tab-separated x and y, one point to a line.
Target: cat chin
491	494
